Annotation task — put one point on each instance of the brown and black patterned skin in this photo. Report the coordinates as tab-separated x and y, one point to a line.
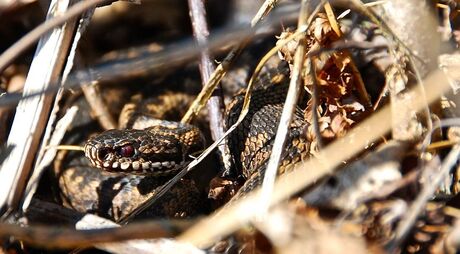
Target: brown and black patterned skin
171	143
252	141
114	195
156	152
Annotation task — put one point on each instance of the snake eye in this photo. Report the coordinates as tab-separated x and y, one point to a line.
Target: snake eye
127	151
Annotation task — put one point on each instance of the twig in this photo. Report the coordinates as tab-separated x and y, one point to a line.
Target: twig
42	212
266	7
214	79
240	212
47	158
408	178
315	102
214	105
290	104
426	193
217	75
59	237
449	122
94	99
144	246
28	40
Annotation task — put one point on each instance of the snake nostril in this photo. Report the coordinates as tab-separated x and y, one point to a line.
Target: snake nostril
103	153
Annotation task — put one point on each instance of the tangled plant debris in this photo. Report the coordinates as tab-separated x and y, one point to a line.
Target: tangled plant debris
326	126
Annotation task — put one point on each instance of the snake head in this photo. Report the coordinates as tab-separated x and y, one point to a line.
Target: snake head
137	151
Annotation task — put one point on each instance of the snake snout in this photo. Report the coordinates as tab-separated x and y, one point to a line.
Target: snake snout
97	155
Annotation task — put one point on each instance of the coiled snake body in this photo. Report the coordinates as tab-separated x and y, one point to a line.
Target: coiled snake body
156	152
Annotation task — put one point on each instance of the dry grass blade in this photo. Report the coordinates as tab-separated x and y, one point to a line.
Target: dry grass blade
31	114
239	213
212	83
266	7
292	96
219	73
48	157
314	101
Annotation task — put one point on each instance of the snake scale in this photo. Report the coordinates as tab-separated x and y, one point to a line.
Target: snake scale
148	152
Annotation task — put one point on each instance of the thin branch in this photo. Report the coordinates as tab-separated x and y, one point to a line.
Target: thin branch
315	102
214	105
59	237
98	106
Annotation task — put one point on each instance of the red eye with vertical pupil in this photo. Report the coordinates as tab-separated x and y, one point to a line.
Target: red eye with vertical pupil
127	151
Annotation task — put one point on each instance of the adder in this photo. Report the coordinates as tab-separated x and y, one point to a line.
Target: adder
156	149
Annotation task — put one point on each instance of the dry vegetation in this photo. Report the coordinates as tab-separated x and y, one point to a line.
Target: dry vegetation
376	81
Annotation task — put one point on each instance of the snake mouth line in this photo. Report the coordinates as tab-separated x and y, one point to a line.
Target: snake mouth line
139	167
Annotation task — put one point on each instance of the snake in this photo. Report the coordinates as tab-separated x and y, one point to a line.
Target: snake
154	149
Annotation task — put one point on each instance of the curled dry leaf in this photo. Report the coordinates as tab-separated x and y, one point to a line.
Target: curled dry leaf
339	103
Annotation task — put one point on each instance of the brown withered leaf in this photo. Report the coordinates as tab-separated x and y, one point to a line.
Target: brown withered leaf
322	31
287	51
